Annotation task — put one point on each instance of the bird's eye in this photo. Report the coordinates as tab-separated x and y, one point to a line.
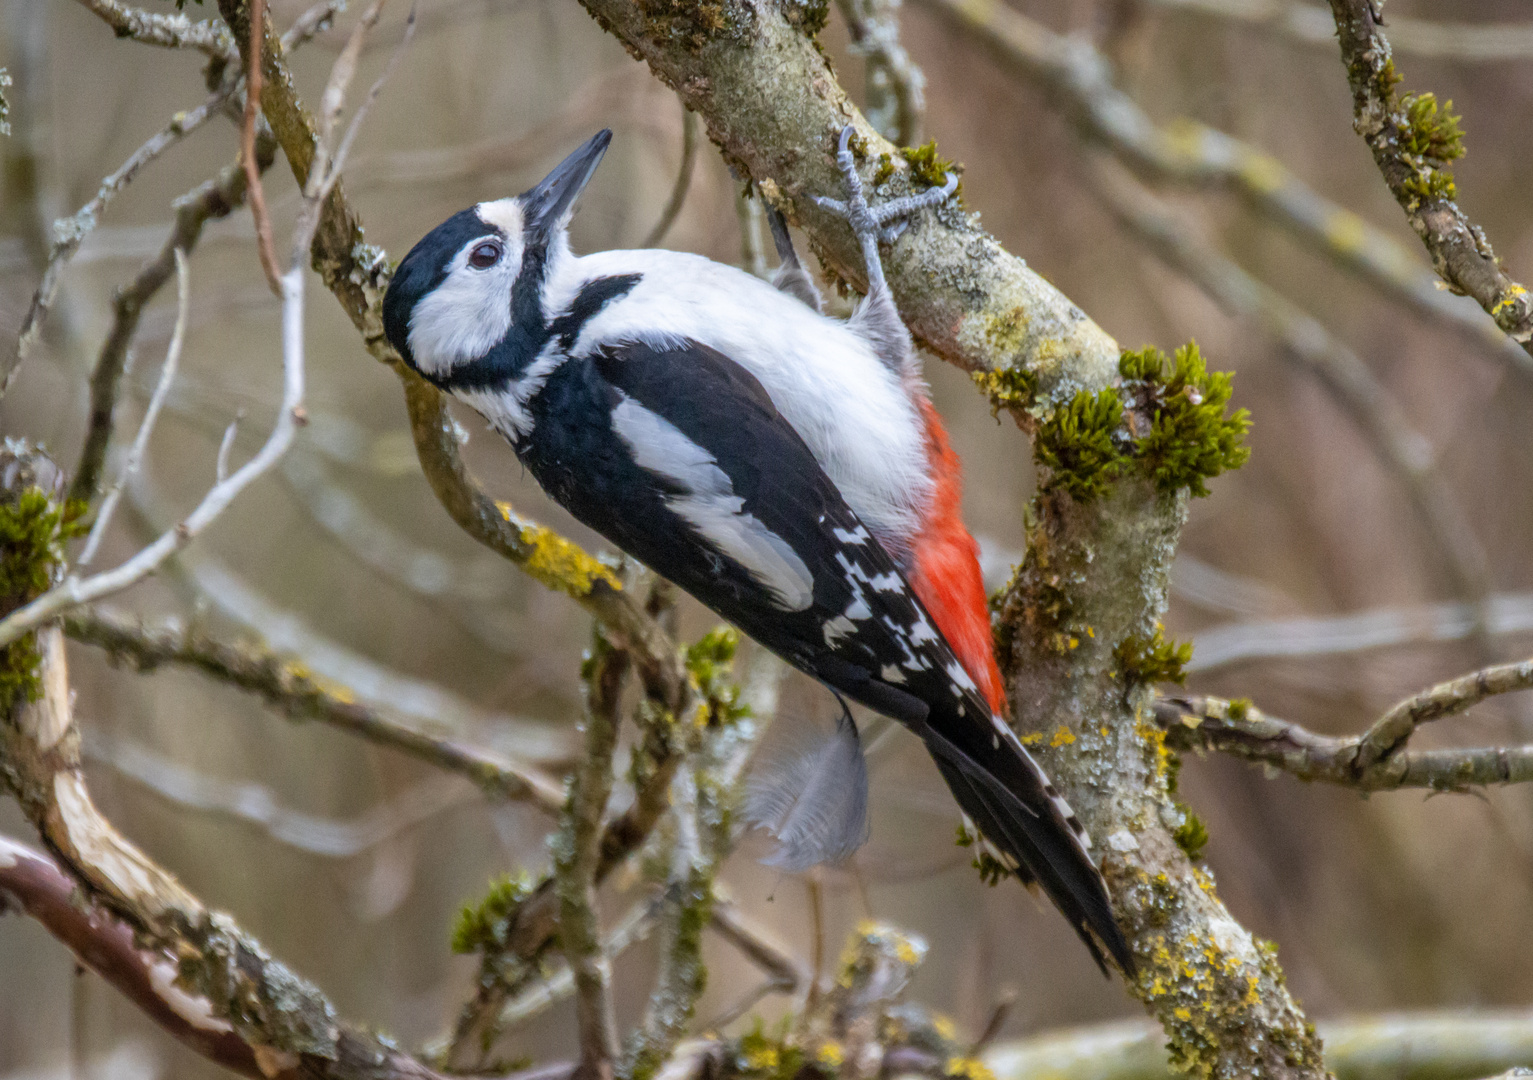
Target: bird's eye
485	255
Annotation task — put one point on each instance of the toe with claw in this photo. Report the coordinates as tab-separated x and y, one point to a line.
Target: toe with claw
870	224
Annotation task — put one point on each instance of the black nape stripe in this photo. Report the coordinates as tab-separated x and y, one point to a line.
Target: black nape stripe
593	296
530	333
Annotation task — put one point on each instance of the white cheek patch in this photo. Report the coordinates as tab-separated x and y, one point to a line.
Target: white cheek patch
711	505
465	316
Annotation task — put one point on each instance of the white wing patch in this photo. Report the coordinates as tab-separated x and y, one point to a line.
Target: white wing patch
712	507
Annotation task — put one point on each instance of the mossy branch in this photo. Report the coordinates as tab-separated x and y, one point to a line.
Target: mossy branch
1413	142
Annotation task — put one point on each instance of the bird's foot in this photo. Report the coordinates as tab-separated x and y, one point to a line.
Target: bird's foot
887	220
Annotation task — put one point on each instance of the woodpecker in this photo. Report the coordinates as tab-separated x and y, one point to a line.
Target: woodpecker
785	468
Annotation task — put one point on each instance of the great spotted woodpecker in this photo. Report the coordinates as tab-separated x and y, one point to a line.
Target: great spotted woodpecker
785	468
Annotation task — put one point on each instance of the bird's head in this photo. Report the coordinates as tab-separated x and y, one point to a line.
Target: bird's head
471	290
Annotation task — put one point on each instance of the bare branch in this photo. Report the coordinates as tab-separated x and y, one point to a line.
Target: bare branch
74	591
288	687
259	805
1413	146
1187	152
1311	24
683	184
288	1024
1244	731
151	414
577	854
214	199
1403	450
68	233
896	87
255	194
1391	730
104	943
210	36
314	21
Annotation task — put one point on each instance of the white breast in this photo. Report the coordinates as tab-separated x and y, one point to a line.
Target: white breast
851	410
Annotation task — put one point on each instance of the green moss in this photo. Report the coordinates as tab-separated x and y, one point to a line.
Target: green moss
885	169
1191	835
1431	132
485	926
1389	77
1084	444
33	529
767	1055
1193	436
991	870
1153	659
711	663
808	16
1239	708
693	23
1007	388
929	169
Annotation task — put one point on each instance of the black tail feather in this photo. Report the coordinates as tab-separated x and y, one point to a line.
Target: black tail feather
1009	797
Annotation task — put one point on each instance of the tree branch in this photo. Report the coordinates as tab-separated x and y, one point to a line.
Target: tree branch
1413	146
1187	152
1241	730
287	686
210	201
576	854
1399	447
209	37
1311	24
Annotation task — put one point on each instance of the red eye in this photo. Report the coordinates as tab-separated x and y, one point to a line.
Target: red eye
485	255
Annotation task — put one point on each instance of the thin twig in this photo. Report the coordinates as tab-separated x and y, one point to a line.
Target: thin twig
287	686
577	854
225	445
314	21
751	218
210	36
896	86
74	591
1187	152
68	233
1311	24
1397	725
214	199
254	193
1361	631
259	805
1244	731
151	414
1413	146
683	183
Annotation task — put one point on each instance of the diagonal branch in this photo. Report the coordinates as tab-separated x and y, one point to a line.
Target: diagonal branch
1413	146
288	687
1184	151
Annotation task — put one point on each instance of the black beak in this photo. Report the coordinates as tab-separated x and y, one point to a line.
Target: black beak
549	204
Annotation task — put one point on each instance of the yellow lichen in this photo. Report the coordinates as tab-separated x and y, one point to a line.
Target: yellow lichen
830	1055
558	564
1063	736
968	1068
944	1026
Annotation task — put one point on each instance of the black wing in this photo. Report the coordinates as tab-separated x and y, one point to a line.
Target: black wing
862	631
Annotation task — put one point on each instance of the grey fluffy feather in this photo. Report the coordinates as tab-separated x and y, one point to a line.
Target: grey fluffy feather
814	802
